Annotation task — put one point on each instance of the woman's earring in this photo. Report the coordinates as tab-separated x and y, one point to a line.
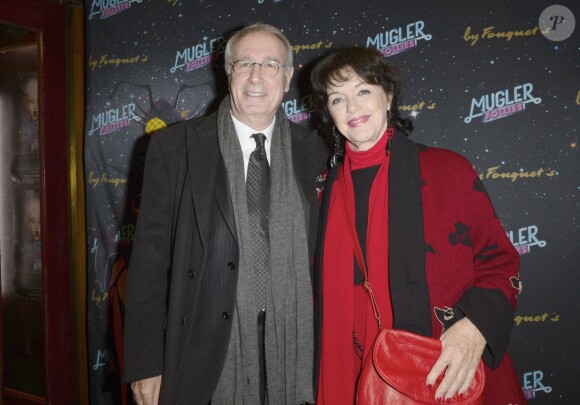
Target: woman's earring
334	158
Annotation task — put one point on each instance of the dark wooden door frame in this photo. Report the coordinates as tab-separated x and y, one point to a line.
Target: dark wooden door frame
48	18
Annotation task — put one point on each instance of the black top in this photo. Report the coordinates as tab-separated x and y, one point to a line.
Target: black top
362	180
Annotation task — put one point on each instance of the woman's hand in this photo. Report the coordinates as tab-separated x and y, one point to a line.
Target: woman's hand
462	347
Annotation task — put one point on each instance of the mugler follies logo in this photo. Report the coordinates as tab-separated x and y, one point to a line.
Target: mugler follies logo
108	8
298	110
113	119
199	55
400	39
533	383
524	238
502	103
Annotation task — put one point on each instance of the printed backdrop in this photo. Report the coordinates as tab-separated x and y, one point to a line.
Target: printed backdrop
497	81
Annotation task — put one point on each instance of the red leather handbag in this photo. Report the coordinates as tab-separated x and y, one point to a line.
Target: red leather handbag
396	370
397	367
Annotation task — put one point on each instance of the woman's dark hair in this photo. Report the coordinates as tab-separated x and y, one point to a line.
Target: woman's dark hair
370	65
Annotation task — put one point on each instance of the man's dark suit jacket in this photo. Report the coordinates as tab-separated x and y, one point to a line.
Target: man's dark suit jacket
183	268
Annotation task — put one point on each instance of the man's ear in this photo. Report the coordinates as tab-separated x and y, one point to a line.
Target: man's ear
289	74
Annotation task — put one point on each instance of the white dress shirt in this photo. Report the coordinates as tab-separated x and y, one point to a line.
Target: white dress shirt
247	142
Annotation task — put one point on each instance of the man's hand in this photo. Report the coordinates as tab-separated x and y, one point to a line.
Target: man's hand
146	392
462	347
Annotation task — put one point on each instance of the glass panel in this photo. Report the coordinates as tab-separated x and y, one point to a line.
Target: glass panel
20	214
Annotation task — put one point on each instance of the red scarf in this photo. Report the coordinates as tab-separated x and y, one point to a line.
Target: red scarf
345	304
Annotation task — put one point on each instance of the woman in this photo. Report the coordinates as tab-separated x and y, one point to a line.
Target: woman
437	257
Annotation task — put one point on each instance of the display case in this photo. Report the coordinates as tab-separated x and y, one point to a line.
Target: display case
20	215
36	338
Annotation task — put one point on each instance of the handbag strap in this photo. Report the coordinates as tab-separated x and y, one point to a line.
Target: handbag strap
356	244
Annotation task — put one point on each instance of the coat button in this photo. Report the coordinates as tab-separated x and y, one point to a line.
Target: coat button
231	265
226	315
190	274
182	320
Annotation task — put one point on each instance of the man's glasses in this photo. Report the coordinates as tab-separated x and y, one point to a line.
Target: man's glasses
267	68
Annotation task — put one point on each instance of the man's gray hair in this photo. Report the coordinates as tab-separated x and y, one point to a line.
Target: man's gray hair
257	27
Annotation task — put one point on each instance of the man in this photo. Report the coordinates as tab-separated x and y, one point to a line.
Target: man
219	300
